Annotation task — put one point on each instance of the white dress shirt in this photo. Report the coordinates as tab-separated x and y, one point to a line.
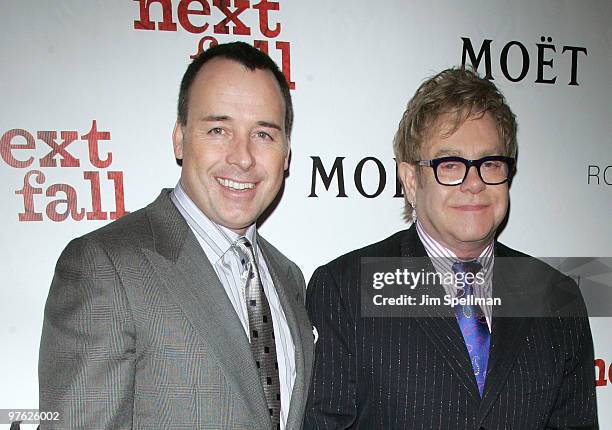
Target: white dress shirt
218	243
443	259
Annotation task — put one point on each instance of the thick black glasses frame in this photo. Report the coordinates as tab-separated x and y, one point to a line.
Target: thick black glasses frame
434	163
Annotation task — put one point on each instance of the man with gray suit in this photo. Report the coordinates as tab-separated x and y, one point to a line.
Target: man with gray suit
180	315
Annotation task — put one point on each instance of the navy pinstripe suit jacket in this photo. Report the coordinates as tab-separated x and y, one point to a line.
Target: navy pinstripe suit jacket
415	373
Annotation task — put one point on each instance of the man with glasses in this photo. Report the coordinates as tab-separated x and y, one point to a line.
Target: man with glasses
523	363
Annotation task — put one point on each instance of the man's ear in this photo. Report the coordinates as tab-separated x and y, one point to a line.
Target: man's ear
288	156
177	140
408	176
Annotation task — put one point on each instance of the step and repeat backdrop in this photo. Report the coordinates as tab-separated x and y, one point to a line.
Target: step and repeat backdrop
89	92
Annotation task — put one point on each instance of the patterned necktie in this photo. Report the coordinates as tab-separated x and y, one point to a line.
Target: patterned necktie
473	324
261	330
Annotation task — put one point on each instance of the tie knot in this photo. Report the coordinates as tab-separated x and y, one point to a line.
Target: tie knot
245	250
472	267
243	241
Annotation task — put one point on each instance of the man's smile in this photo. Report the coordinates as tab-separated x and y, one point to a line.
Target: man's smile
235	185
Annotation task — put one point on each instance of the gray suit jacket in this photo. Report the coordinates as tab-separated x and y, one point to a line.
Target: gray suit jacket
139	333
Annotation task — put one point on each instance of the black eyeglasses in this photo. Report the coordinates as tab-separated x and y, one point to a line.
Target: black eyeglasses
450	171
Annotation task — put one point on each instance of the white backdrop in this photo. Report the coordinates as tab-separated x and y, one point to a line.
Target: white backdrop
355	64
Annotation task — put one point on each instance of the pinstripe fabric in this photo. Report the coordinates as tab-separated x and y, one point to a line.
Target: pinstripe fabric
139	333
415	373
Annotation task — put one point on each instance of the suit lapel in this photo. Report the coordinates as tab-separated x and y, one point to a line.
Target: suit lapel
287	288
440	325
506	335
507	332
191	281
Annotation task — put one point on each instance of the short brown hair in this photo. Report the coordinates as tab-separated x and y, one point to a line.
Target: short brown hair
460	92
244	54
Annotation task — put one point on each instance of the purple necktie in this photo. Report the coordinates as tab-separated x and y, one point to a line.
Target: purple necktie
473	324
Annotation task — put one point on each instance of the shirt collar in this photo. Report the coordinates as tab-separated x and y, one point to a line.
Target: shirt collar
443	258
219	238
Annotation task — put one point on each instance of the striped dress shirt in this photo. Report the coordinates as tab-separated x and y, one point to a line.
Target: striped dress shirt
218	243
443	258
